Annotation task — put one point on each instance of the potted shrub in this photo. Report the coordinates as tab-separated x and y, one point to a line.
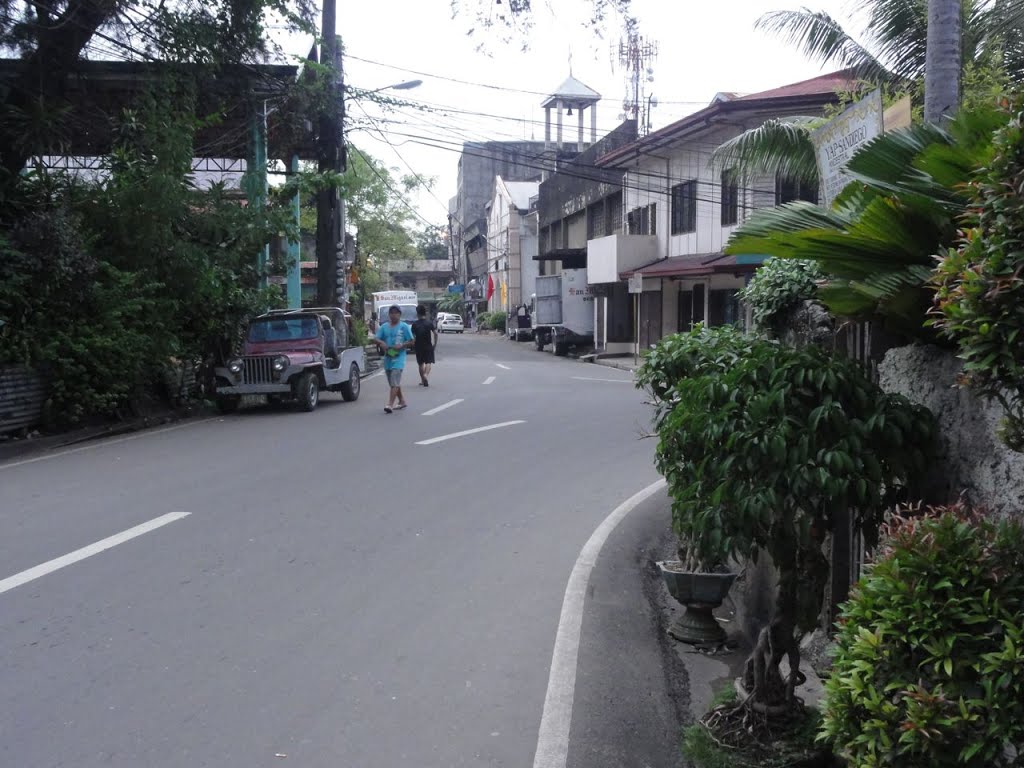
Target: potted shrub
701	591
699	578
764	448
929	668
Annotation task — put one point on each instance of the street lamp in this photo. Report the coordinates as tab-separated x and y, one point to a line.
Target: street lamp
408	85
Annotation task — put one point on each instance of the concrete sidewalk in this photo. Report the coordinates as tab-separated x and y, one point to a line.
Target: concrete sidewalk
637	688
628	363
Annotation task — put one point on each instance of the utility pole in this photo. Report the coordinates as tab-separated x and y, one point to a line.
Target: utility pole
943	61
328	205
451	246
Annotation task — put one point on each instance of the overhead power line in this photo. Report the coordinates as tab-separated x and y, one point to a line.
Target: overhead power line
476	84
578	171
395	192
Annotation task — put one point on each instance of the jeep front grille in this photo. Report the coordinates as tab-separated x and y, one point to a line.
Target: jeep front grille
257	370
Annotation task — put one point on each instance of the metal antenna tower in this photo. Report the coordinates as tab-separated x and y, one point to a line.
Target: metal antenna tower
637	55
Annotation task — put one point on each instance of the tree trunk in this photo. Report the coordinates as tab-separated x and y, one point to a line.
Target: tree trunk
943	61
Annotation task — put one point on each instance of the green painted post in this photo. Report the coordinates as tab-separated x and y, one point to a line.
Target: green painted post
295	250
256	181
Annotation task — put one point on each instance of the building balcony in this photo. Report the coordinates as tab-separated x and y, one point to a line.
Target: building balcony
609	256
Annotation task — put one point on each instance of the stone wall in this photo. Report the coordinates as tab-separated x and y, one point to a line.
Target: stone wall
971	457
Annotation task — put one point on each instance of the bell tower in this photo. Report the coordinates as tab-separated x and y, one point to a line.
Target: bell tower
571	95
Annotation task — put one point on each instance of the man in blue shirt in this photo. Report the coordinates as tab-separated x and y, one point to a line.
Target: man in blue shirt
394	337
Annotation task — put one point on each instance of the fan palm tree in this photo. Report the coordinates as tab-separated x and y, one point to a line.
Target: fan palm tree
877	243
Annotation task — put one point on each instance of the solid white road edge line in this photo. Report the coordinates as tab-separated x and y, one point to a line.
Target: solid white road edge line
101	443
591	378
553	739
489	380
465	432
88	551
440	408
504	367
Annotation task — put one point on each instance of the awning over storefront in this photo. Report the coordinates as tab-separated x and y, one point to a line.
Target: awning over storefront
696	265
571	258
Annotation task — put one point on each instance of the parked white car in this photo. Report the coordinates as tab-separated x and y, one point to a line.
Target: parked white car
450	323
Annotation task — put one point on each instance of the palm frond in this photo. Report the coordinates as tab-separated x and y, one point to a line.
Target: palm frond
886	164
997	26
778	146
878	255
899	33
820	37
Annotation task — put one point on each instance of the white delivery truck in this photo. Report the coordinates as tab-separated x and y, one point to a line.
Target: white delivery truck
406	301
563	311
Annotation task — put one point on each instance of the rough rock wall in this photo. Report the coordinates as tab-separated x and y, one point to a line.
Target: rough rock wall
971	457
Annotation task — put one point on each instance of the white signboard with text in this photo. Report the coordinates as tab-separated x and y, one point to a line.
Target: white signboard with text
837	141
636	283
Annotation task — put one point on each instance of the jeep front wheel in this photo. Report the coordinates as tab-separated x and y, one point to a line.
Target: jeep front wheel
350	389
308	391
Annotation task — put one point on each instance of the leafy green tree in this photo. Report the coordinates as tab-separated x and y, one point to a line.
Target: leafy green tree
767	448
103	284
431	244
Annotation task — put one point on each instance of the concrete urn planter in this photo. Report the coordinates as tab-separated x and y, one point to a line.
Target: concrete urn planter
701	593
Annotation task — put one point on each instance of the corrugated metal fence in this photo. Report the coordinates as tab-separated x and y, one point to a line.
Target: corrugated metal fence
22	394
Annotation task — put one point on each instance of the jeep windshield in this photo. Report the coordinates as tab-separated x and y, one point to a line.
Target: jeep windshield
284	329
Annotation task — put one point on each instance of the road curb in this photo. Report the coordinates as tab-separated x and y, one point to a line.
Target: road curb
556	720
12	450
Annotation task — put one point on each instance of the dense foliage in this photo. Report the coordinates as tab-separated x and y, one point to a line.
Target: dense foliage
930	662
877	243
980	297
492	321
105	283
778	286
765	448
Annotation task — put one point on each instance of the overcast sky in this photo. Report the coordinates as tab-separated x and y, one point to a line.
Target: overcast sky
705	46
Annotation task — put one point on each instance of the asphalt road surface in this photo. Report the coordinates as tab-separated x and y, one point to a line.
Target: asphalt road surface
329	589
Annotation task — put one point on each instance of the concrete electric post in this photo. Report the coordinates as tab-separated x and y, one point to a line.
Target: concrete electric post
330	160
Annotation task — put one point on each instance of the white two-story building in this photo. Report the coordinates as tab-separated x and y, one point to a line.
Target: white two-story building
679	210
511	244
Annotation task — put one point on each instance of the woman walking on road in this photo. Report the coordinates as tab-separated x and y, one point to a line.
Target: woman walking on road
425	334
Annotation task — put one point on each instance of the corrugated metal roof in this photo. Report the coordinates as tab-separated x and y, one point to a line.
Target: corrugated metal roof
806	94
829	83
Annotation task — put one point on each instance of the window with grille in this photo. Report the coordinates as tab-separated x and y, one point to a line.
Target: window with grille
684	207
596	226
643	220
788	190
730	197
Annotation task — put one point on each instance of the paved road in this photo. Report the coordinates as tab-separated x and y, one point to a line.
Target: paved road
337	594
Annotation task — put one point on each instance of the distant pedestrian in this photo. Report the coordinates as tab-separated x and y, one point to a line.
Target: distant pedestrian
425	334
394	337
